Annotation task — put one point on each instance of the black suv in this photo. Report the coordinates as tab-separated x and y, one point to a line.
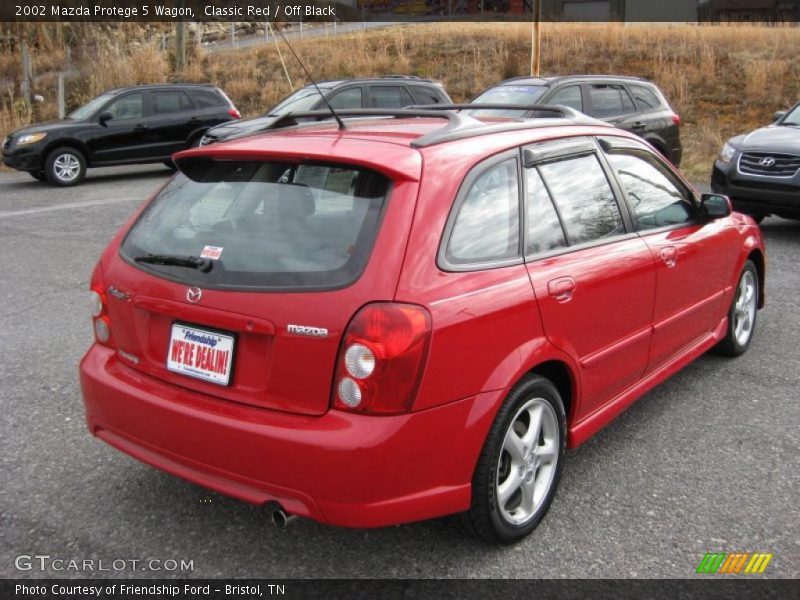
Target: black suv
130	125
390	91
760	171
629	103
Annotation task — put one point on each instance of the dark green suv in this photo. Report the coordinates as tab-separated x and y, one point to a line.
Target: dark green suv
630	103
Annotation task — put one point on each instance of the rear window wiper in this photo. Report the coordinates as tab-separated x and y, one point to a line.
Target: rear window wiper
203	265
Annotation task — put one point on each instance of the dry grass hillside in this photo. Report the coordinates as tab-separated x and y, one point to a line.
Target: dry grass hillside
721	79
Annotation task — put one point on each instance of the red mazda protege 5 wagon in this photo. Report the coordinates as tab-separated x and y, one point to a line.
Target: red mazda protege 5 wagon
410	316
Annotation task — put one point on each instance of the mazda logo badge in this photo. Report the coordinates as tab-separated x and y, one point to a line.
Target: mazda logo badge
767	161
194	294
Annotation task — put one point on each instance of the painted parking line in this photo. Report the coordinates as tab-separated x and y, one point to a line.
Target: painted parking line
70	205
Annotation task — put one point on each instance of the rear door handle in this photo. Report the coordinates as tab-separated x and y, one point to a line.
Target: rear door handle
562	289
669	254
141	128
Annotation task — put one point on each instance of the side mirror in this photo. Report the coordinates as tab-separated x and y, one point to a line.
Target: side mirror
105	117
715	206
778	115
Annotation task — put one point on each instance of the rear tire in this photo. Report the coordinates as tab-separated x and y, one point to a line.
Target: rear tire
65	166
742	314
519	468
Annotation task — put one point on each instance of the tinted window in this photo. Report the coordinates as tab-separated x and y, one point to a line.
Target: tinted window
130	106
610	100
390	96
487	225
425	95
584	198
349	98
654	197
207	99
278	224
645	97
169	102
568	96
544	228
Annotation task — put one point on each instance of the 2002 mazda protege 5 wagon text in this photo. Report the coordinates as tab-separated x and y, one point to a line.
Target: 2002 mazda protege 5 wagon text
408	315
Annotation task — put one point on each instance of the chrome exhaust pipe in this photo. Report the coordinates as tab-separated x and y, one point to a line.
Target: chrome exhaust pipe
280	518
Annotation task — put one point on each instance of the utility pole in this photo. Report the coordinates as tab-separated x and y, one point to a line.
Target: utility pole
27	74
180	42
536	39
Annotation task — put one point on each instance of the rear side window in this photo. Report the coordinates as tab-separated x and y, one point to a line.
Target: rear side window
584	199
654	197
390	96
544	228
425	95
568	96
278	225
645	97
170	102
486	227
610	100
208	99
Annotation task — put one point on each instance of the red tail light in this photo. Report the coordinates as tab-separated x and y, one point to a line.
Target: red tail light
381	359
101	323
234	112
676	118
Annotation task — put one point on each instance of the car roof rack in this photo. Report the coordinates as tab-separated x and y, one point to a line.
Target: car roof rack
459	125
566	113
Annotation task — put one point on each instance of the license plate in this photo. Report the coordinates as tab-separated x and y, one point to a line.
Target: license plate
200	353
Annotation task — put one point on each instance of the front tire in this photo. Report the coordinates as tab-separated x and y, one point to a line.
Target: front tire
520	465
742	314
65	166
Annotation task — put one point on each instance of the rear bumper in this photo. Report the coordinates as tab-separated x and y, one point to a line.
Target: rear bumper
338	468
762	196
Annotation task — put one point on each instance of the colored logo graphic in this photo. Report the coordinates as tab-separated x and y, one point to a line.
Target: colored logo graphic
737	562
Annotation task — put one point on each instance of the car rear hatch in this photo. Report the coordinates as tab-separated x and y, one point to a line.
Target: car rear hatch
240	277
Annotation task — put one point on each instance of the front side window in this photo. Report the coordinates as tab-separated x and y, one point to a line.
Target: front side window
584	198
568	96
653	196
276	225
610	100
349	98
130	106
486	227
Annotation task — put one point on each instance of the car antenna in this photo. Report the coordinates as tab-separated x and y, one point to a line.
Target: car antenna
324	99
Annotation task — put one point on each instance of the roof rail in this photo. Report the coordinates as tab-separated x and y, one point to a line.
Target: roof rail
455	121
441	135
459	125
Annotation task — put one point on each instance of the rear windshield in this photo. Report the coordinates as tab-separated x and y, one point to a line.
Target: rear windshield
262	224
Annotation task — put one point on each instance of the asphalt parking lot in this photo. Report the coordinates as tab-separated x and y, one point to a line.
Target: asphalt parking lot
709	461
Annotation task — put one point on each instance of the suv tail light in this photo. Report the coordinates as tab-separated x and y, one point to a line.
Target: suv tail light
101	323
676	118
381	359
234	112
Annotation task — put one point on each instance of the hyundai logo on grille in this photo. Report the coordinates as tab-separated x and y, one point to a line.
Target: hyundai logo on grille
767	161
194	294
